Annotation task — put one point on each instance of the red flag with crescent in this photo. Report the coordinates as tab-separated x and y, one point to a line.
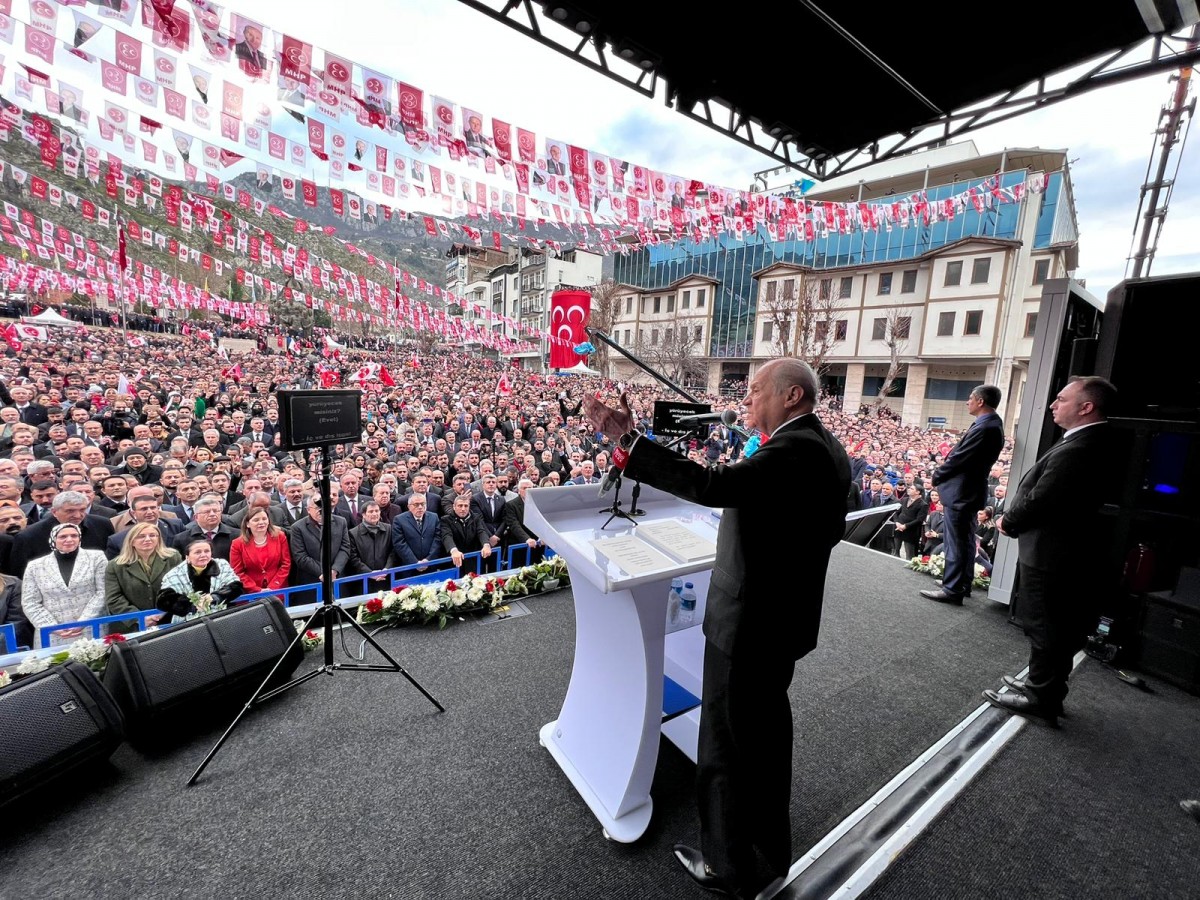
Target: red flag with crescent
569	311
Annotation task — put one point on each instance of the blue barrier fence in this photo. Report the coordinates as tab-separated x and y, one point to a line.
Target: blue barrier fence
8	633
432	572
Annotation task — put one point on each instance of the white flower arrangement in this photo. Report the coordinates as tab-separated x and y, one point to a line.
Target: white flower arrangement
5	678
32	664
87	651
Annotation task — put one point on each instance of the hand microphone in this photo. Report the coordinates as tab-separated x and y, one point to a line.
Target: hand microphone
727	417
620	456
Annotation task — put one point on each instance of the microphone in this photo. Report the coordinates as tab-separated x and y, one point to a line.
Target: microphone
727	417
620	456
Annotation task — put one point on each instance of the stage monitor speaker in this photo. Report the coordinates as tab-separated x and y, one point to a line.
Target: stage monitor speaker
1148	347
51	723
190	668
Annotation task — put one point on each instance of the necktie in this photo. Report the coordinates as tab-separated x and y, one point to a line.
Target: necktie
492	507
421	525
209	535
354	508
294	512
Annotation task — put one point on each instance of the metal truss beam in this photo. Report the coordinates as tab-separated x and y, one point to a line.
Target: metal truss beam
1155	54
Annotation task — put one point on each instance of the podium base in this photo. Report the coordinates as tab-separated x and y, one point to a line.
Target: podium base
625	830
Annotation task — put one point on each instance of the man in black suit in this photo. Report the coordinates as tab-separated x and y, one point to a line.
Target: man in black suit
304	539
514	526
489	504
206	523
31	413
961	481
1053	516
34	541
754	635
248	51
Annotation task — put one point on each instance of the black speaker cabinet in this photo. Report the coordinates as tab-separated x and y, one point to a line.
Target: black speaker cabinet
52	722
1170	639
1148	347
191	667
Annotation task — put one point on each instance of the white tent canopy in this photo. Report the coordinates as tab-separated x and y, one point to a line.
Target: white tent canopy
51	318
580	368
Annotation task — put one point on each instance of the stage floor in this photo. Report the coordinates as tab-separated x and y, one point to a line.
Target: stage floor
354	786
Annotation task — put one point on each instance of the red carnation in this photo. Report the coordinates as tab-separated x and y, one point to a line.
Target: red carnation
924	559
114	639
451	586
499	582
310	635
374	605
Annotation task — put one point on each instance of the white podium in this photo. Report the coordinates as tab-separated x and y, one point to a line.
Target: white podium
606	737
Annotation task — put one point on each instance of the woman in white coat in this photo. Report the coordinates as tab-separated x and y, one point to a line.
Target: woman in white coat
66	586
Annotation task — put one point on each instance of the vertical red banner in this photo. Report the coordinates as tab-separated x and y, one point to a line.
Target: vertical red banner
569	311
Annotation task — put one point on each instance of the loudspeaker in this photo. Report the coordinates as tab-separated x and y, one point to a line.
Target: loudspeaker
52	722
194	667
1148	347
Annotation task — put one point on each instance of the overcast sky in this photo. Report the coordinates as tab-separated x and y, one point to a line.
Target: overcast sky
448	49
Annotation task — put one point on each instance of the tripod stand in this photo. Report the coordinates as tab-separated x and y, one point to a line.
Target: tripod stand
326	615
615	511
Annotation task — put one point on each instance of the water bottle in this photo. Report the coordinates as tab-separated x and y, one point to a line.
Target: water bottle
687	605
673	601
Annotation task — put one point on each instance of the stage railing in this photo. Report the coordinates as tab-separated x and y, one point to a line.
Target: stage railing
8	632
435	570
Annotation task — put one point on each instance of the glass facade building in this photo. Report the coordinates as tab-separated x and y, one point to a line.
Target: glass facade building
731	262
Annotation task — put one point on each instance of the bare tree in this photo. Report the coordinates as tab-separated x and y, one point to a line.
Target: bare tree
606	306
803	315
675	353
897	324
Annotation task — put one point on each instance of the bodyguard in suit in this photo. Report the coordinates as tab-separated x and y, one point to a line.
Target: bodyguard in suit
1053	516
371	547
961	481
754	634
488	504
514	527
416	534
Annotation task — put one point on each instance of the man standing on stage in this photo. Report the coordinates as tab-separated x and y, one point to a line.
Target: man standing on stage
758	622
961	481
1052	515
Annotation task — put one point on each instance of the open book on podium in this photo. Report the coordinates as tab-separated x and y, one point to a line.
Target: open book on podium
607	734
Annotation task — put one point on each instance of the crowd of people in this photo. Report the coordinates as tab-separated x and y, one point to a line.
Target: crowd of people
153	477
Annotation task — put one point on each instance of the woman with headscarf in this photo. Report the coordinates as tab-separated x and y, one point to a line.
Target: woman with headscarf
66	586
133	579
200	573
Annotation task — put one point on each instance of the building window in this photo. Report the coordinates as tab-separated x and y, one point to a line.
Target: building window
879	329
974	321
980	269
908	281
945	324
789	289
1041	271
669	336
885	282
840	329
658	304
687	300
826	288
699	333
700	298
785	332
820	331
629	306
653	337
643	305
1030	324
953	273
772	289
947	389
846	287
766	332
671	304
902	327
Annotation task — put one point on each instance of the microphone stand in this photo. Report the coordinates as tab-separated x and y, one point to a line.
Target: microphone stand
615	511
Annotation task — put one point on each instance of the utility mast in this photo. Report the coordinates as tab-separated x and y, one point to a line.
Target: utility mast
1155	197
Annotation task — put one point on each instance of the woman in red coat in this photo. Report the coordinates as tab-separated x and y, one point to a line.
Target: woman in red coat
261	557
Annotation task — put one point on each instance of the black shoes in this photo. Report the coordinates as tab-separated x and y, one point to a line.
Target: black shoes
943	596
1016	684
1022	705
693	863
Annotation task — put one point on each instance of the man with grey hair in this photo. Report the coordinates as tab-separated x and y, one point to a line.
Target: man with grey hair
258	500
304	540
206	523
514	524
753	633
34	541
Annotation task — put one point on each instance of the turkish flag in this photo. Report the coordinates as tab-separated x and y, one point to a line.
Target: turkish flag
569	311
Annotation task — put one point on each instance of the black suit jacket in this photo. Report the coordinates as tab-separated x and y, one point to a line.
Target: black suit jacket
748	612
961	479
304	539
221	542
1053	510
34	540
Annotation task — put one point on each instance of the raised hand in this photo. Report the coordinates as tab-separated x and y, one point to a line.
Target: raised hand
613	422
